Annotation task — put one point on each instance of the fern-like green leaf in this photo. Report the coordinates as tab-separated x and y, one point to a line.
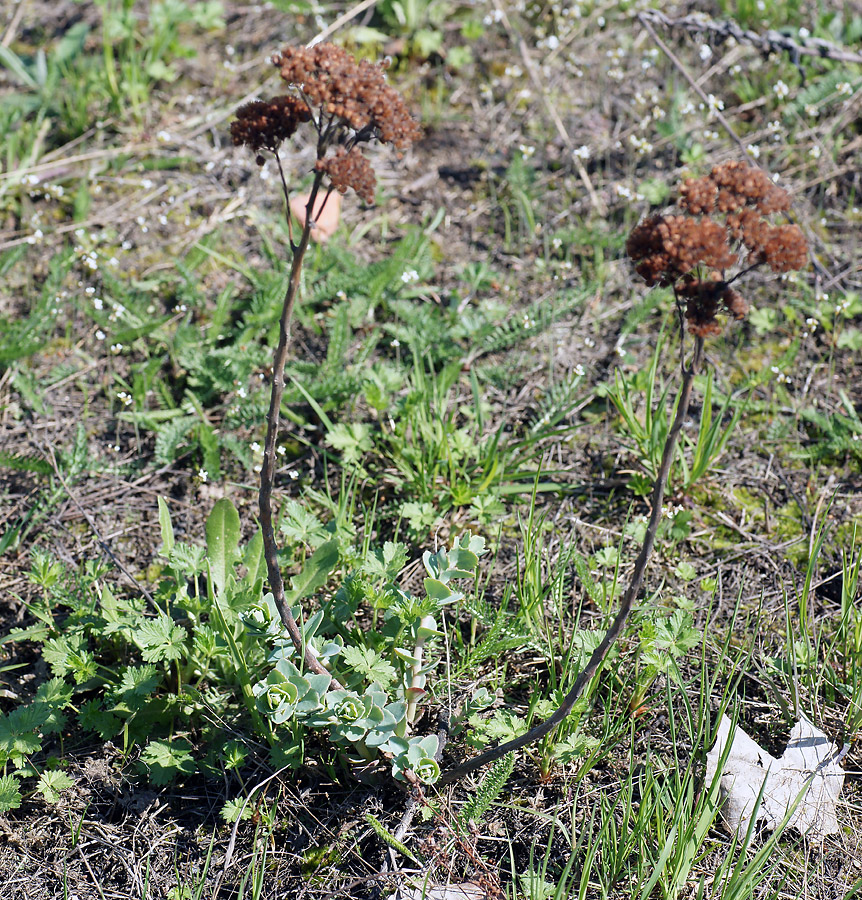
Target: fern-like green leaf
21	463
489	790
388	838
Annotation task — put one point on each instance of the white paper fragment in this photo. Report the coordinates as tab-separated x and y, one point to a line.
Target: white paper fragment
809	753
467	891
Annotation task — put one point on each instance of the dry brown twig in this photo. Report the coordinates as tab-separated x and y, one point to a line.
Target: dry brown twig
768	42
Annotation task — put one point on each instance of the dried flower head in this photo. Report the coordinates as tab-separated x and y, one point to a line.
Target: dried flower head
265	124
349	169
691	252
356	92
667	247
348	101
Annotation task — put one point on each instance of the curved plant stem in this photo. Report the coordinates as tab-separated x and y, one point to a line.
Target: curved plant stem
267	472
598	655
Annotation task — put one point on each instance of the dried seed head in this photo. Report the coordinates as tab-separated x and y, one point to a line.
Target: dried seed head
264	124
698	195
691	252
667	247
356	92
784	248
349	170
702	301
742	185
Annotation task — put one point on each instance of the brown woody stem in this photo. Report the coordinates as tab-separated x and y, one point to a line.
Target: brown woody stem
267	472
634	587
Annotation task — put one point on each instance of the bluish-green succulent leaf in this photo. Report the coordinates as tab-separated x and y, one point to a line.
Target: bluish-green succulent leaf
439	592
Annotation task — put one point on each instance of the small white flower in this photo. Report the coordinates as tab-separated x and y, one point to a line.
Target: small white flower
163	136
754	151
409	276
395	343
780	89
705	52
100	335
552	42
203	474
254	447
804	33
815	152
526	150
583	152
293	474
844	88
714	104
579	370
116	348
146	184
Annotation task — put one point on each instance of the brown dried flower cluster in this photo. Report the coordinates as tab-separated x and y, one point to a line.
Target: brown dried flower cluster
353	91
349	169
691	252
264	124
704	298
349	102
667	247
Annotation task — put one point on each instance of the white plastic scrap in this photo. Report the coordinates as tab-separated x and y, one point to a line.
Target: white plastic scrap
810	755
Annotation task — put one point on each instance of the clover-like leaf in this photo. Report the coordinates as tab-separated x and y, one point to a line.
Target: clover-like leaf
160	639
52	783
369	664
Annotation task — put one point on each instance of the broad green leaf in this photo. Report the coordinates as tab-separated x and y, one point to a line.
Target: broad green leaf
160	639
10	794
223	533
164	760
253	559
314	573
166	527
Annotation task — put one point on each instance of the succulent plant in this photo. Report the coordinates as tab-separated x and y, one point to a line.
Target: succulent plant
378	678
